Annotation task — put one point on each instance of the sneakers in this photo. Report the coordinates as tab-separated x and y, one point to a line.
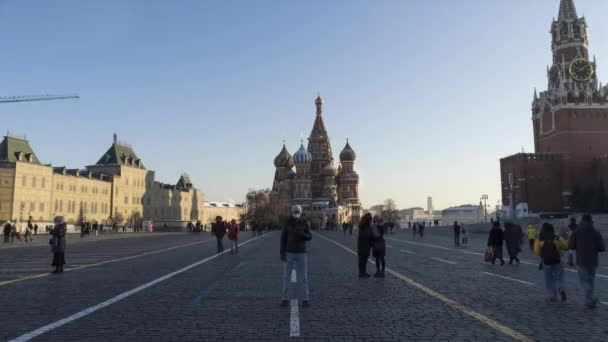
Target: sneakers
305	304
284	303
551	300
364	275
562	295
377	275
591	304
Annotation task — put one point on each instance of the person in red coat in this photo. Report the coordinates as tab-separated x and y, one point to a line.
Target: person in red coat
218	228
233	235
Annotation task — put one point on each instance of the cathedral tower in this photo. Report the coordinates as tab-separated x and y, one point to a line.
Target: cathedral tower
348	179
320	149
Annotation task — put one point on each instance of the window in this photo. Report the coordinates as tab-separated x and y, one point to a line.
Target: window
34	182
32	206
43	181
41	206
126	200
60	205
24	181
127	181
56	204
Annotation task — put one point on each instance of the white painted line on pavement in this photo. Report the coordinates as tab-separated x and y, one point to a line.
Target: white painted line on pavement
449	302
294	321
472	253
517	280
32	334
40	275
443	260
390	246
605	303
408	252
294	278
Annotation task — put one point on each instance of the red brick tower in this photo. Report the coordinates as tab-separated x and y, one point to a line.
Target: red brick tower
570	126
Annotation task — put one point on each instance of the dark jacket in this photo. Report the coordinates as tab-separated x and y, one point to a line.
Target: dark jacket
218	229
364	239
294	236
456	229
587	242
378	243
58	238
496	237
512	238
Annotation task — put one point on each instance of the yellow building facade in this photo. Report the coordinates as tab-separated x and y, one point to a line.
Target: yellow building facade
118	188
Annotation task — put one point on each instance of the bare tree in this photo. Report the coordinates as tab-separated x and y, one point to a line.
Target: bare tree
259	208
389	212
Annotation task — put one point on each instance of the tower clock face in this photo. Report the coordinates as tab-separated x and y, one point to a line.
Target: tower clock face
581	69
555	74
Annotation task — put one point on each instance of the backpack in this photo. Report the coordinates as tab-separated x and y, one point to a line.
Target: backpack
549	252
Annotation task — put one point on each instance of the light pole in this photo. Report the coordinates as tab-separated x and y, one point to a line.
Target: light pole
485	207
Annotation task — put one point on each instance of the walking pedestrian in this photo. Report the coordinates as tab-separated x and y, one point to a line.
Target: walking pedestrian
379	247
495	241
513	240
456	234
218	228
6	231
294	236
36	229
83	229
344	228
465	238
548	248
58	244
350	228
233	235
364	243
588	243
421	229
531	236
414	229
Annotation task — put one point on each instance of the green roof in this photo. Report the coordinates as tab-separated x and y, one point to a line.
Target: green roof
119	154
11	148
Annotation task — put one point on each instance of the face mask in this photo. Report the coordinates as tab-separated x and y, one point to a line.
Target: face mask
295	215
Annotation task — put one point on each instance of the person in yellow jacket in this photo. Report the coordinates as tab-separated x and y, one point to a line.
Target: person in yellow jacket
549	248
531	236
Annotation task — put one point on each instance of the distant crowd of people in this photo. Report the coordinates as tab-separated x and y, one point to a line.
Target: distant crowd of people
583	243
16	230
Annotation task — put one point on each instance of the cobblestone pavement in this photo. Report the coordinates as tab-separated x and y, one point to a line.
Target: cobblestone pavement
183	292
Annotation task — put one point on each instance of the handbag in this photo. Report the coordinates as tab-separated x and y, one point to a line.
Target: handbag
489	255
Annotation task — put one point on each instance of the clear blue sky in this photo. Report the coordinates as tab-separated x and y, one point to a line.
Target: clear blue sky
430	93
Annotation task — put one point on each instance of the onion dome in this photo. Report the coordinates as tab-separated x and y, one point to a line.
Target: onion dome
319	100
302	156
284	159
291	174
348	154
330	170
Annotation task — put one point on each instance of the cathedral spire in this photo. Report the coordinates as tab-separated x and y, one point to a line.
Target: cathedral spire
318	128
567	10
319	104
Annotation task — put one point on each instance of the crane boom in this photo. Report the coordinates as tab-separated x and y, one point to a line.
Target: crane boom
29	98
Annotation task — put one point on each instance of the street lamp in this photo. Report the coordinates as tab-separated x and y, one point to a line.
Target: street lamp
485	207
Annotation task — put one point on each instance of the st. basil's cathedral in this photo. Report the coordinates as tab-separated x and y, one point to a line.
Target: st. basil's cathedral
328	193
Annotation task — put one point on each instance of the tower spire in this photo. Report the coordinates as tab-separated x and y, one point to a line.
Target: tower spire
567	10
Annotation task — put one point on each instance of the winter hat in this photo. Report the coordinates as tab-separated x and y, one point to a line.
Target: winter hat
59	220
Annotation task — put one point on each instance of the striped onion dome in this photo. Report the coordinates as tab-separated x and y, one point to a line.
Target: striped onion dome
284	159
302	156
330	170
348	154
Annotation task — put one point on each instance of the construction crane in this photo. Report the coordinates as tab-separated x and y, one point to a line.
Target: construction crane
29	98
